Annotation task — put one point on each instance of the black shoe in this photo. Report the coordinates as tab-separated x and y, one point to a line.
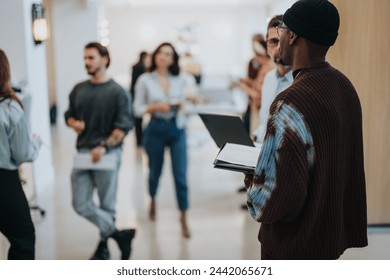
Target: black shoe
244	207
101	252
242	189
124	238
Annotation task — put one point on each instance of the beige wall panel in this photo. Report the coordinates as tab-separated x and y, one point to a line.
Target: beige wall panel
362	52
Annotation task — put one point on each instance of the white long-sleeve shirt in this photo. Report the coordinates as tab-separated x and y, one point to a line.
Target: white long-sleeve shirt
148	91
16	146
273	85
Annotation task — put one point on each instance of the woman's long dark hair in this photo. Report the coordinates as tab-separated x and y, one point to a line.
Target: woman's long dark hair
174	69
6	91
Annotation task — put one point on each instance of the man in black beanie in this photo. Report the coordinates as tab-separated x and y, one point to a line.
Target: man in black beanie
308	190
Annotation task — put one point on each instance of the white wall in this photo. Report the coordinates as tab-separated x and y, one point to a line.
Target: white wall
74	24
224	34
13	39
28	64
224	31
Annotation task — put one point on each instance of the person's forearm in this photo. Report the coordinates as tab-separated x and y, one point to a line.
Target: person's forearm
70	121
77	125
116	137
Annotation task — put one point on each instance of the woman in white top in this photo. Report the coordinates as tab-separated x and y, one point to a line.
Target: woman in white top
16	148
160	93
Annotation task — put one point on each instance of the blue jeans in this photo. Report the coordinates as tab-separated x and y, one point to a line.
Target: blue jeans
105	181
159	134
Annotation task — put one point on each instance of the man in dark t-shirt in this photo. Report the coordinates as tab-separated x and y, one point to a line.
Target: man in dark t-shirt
99	112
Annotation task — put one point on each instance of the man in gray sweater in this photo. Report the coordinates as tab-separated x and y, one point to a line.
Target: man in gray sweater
99	112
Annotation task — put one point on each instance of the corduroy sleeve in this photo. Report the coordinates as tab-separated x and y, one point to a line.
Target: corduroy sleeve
279	188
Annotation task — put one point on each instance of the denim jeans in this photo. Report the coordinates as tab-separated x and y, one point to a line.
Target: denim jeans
159	134
84	182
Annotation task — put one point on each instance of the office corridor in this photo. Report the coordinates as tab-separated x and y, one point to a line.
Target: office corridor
220	229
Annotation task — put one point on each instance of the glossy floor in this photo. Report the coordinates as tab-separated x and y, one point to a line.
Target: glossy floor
220	229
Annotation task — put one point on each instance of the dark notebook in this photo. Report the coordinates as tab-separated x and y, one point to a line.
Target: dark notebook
226	129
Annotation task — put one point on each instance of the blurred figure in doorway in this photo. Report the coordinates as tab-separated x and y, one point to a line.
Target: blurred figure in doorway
137	70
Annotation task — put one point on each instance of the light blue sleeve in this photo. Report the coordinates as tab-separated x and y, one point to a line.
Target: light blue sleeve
140	98
23	149
289	141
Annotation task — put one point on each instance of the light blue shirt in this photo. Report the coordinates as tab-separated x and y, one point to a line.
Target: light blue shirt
16	146
286	121
273	84
148	91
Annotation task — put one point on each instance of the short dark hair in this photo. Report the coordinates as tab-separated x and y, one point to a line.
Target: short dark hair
102	50
274	22
174	69
142	56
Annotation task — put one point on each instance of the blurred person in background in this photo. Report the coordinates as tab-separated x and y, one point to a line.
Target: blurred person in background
161	94
275	81
16	148
137	70
258	66
100	113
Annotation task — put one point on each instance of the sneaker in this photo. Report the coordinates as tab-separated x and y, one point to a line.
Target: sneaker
123	238
101	252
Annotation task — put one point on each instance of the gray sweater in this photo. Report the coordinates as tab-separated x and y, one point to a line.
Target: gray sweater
16	146
103	107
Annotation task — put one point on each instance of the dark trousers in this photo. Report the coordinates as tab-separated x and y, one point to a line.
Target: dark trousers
246	119
138	130
158	135
15	218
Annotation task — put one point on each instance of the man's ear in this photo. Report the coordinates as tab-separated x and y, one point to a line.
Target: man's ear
293	37
105	60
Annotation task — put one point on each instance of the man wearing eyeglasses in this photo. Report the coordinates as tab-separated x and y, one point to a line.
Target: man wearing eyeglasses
308	189
275	81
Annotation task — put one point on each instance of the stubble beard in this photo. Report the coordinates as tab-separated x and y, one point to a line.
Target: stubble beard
92	72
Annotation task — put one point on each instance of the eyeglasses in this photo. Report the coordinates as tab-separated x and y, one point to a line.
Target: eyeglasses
273	42
279	28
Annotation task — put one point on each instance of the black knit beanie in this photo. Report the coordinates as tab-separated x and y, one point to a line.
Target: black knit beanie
315	20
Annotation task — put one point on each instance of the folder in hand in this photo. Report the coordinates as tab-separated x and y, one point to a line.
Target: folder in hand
84	161
237	150
236	157
226	129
